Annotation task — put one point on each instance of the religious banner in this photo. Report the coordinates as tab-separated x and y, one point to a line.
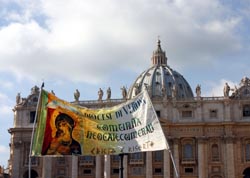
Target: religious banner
65	128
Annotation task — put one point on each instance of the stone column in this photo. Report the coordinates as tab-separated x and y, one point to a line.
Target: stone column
74	168
166	164
47	166
227	110
16	172
176	157
201	158
229	158
199	111
125	166
149	172
98	167
107	166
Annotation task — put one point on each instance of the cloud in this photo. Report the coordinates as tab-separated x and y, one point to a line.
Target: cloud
4	149
5	110
5	105
6	84
82	41
216	89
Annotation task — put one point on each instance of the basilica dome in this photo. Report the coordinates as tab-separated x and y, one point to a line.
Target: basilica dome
160	80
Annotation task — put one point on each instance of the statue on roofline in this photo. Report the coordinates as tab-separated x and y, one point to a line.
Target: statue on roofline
226	90
124	92
198	90
108	93
100	94
77	95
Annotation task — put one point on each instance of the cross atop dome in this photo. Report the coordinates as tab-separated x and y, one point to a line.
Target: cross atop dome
159	56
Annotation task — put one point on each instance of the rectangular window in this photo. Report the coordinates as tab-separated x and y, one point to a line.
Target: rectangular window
86	160
137	170
115	158
246	110
136	158
187	114
115	171
215	153
87	171
32	116
158	113
213	113
158	171
189	170
188	152
158	156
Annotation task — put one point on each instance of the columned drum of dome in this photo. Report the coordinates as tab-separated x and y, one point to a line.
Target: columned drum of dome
161	80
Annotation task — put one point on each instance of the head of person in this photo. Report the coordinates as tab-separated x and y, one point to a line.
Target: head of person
64	125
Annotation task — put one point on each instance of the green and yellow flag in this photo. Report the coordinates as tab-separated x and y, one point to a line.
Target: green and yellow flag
64	128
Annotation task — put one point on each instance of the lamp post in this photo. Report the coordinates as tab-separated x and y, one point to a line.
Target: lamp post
121	164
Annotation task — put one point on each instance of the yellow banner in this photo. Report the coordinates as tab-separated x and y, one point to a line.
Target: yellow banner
65	129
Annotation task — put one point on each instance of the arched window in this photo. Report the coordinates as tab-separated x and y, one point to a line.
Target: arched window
33	174
246	173
215	152
188	152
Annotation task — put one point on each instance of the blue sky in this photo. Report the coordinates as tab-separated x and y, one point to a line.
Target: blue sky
92	44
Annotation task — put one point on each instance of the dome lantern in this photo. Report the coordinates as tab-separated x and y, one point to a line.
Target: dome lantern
159	56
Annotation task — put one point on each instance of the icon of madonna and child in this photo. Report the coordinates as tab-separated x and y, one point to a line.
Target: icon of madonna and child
62	143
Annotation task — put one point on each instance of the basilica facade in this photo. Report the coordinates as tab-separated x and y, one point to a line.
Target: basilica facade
209	137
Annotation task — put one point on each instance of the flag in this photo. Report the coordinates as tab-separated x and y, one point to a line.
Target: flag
65	128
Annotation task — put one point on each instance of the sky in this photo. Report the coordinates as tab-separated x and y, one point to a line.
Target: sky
92	44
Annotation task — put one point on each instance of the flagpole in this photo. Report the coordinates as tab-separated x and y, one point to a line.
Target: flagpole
172	158
32	135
